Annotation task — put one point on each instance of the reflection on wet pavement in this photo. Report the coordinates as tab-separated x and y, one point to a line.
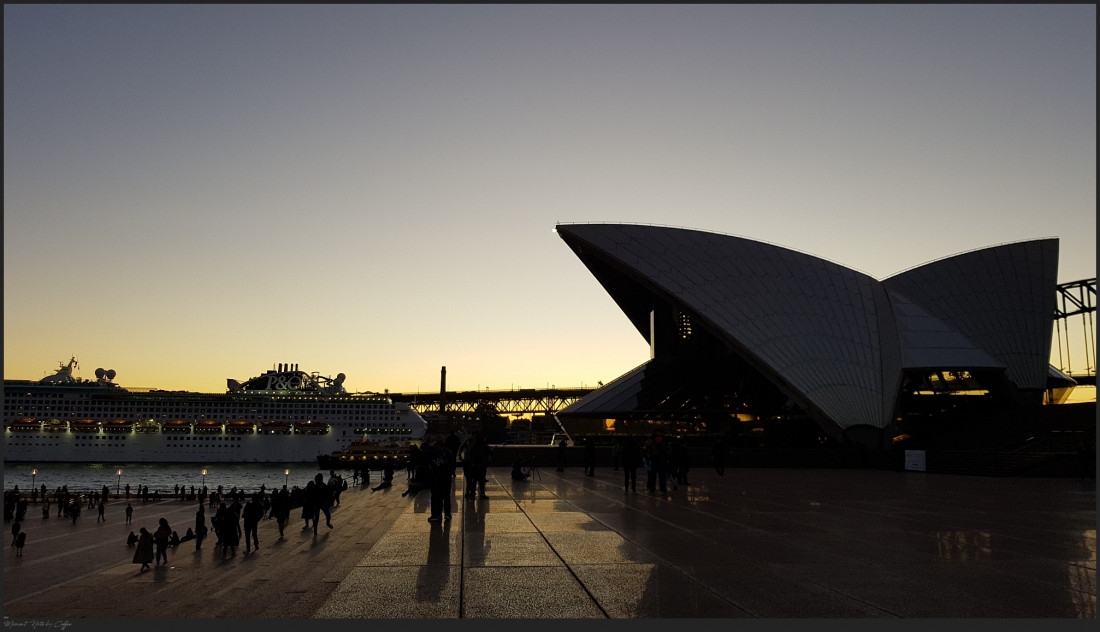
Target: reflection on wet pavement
754	543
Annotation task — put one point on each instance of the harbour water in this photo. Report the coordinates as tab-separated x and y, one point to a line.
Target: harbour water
87	477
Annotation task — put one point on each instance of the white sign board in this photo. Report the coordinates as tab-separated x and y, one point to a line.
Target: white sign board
914	460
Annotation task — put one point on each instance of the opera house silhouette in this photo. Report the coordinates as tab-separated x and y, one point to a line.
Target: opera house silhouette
763	343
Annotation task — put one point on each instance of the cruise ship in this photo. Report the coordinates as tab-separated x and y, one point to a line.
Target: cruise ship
281	416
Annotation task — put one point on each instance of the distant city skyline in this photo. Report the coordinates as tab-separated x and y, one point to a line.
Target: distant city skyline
199	192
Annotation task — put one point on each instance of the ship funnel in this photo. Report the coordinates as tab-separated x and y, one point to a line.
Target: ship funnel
443	390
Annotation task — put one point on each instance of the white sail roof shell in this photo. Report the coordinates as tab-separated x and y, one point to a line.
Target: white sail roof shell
835	336
1003	298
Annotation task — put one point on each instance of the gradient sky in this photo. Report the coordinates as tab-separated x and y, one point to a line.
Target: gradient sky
193	193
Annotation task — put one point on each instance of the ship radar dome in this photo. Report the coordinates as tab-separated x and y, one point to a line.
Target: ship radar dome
99	373
111	374
340	377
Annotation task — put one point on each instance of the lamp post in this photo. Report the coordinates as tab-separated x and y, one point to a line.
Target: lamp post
34	473
204	478
286	473
118	482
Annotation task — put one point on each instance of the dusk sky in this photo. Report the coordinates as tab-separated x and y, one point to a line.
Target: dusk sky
198	192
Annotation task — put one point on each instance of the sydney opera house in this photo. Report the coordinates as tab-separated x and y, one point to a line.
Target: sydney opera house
749	338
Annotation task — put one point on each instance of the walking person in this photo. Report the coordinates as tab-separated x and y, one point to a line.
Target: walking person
280	507
236	506
440	465
45	507
129	512
452	442
252	513
144	553
335	485
200	527
307	504
16	527
229	531
631	459
412	459
221	517
718	456
462	459
20	540
161	537
679	465
589	457
478	455
322	501
100	517
656	456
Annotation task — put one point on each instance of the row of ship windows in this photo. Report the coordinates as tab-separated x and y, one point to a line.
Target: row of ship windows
120	439
384	429
193	410
15	440
30	412
85	414
78	445
117	440
40	402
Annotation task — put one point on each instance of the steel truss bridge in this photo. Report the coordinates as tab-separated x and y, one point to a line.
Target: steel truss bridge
1077	299
520	402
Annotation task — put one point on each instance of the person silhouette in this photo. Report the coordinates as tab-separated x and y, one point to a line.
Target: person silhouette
144	553
161	539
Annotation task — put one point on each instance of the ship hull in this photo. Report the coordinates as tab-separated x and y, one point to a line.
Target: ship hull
160	448
85	422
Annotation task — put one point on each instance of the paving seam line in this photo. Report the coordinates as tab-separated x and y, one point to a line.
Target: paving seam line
667	563
558	555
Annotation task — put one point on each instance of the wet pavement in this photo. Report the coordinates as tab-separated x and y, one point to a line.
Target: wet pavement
754	543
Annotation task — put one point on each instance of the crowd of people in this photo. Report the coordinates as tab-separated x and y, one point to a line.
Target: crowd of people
432	467
435	467
236	514
664	460
69	506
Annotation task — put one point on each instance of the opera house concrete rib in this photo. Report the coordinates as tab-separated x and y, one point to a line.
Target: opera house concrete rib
785	334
